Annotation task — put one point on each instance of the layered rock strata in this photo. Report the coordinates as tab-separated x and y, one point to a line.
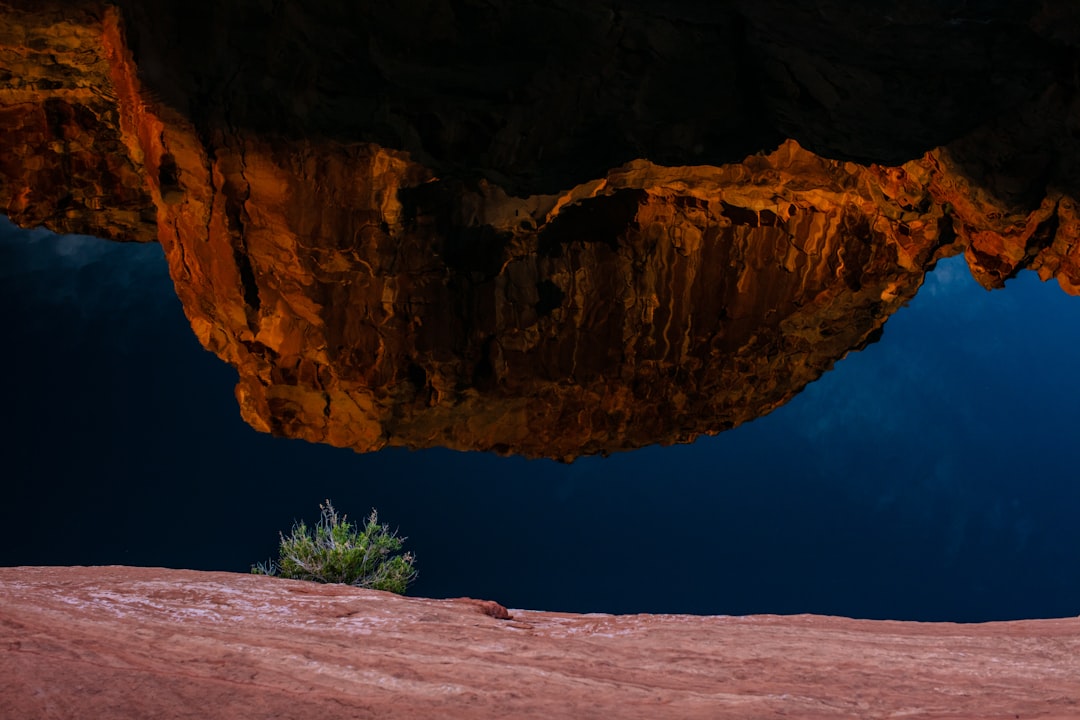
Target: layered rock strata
367	299
146	642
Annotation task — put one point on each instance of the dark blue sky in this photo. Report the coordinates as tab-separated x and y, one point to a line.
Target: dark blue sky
932	476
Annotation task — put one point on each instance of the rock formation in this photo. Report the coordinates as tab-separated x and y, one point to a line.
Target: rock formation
146	642
398	239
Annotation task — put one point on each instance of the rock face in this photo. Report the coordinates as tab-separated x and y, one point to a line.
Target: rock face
375	240
145	642
648	306
64	161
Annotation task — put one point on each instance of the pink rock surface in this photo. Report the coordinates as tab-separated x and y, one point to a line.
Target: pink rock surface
123	642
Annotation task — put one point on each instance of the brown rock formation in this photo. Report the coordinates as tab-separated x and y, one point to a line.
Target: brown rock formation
367	299
122	643
64	162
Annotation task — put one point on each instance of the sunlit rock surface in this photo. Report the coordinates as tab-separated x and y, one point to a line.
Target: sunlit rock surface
375	240
122	643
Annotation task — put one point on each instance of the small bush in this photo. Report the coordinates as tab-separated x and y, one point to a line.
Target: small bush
340	552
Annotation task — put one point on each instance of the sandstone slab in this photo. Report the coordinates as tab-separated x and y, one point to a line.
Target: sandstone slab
123	642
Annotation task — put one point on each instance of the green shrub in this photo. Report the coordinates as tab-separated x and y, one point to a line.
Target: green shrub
338	551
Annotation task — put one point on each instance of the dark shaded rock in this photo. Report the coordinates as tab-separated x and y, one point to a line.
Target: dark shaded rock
538	97
886	80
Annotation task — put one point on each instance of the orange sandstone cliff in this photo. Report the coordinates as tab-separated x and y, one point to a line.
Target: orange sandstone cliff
382	272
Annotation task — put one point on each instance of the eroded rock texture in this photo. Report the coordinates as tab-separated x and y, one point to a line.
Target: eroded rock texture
359	216
146	642
64	162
